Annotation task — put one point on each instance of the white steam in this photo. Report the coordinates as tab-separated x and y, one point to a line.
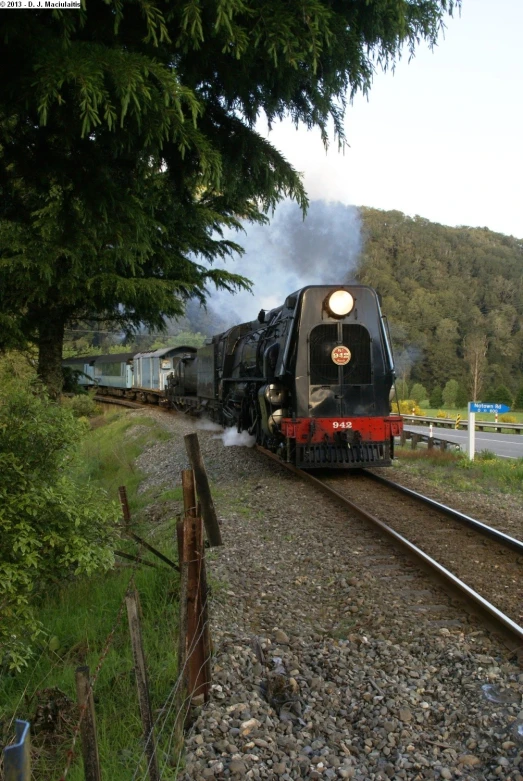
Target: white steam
231	438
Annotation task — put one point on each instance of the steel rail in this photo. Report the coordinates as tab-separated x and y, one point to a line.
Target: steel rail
511	631
488	531
119	402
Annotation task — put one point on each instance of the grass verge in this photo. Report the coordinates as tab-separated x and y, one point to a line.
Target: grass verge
79	618
452	468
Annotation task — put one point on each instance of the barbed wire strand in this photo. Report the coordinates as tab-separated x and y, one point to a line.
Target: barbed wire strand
92	681
172	694
200	559
187	700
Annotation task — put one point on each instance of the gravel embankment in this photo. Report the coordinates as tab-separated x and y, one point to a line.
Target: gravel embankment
334	656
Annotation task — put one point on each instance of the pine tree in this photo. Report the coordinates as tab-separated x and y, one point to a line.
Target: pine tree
128	143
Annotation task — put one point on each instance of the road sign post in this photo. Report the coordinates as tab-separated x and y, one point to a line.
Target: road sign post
480	406
472	431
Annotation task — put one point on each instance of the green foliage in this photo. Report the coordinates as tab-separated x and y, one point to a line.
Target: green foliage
485	455
182	339
450	393
409	407
83	406
503	395
462	398
499	395
436	397
418	392
518	401
485	474
128	144
52	527
507	418
440	287
402	389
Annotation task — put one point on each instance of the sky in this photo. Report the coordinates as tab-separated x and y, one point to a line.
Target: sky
441	137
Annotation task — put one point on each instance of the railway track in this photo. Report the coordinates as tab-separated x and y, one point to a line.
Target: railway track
120	402
474	563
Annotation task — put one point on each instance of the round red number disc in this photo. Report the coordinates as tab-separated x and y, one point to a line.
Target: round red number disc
340	355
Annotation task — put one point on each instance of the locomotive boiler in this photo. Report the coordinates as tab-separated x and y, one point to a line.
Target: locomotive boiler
311	379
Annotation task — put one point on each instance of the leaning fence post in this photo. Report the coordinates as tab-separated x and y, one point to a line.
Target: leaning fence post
204	492
17	757
194	628
84	697
140	669
122	492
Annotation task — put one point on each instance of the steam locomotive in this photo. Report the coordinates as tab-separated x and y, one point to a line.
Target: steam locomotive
311	379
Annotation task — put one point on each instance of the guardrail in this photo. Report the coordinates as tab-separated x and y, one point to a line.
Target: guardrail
481	425
431	441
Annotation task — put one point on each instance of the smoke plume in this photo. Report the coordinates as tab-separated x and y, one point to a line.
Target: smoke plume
289	253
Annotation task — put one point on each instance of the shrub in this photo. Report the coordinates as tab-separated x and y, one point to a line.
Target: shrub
409	407
442	414
436	398
505	418
51	527
503	395
485	455
450	392
418	392
499	395
83	406
461	397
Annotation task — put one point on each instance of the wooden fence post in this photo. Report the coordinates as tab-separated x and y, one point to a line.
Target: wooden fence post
126	513
17	757
84	698
140	669
204	492
194	627
414	441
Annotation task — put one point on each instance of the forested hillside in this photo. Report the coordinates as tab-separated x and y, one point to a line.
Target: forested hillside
453	296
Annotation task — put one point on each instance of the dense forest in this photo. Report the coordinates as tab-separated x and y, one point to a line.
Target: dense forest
453	297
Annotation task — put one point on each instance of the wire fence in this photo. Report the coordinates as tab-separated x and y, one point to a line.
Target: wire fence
192	684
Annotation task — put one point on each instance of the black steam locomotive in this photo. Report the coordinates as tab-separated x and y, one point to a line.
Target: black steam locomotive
311	379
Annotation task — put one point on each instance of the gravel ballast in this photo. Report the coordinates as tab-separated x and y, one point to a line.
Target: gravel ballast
335	657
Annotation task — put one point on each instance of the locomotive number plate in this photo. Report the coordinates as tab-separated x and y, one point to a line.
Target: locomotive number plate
341	355
342	424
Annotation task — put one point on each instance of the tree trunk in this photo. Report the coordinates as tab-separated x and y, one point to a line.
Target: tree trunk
51	329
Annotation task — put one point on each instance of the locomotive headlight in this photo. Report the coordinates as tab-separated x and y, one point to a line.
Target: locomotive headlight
340	303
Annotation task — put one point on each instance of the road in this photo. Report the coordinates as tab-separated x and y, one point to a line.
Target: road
503	445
